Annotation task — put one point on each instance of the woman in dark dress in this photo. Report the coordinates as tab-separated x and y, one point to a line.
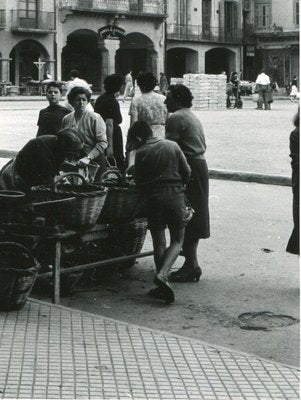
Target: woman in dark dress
185	128
108	107
293	245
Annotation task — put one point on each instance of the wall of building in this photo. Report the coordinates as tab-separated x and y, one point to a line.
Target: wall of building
281	18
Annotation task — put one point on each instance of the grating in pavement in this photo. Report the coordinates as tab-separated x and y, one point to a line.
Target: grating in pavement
49	351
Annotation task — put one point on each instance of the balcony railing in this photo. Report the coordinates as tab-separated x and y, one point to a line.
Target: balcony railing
197	33
2	19
23	20
141	7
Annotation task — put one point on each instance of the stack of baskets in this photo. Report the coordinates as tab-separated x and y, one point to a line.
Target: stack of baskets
88	200
123	211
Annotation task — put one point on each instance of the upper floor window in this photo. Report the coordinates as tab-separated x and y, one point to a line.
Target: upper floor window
28	9
262	15
296	12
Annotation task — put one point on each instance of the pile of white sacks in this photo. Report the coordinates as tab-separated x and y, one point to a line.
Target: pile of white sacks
208	90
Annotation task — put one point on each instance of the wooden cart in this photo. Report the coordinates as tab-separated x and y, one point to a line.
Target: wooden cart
55	242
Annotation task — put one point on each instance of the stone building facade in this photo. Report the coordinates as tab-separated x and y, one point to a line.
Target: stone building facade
271	39
97	37
204	36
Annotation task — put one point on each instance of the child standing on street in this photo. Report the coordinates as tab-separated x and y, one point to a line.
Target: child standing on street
161	171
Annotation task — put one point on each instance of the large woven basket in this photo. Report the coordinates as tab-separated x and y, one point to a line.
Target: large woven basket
122	204
89	200
18	272
126	239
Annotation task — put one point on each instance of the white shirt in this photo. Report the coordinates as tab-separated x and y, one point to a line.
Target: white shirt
263	79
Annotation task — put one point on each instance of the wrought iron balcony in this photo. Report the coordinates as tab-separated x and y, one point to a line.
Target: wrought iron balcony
135	7
2	19
199	34
31	21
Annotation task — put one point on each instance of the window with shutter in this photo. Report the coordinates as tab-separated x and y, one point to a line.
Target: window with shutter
28	13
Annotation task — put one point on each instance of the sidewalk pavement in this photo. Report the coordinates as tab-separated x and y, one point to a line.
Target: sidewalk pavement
53	352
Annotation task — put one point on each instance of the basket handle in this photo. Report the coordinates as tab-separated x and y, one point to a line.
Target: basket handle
70	174
25	250
109	164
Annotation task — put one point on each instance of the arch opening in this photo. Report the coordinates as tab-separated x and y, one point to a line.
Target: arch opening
181	61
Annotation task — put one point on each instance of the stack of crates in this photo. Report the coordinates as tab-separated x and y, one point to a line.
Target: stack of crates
208	90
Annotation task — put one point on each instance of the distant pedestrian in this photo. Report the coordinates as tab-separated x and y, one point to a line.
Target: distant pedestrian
185	128
294	90
163	84
293	245
76	81
108	107
263	87
50	118
128	86
161	171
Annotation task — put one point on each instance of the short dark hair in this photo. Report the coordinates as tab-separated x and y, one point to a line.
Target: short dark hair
113	83
74	73
181	94
70	140
139	130
146	81
54	84
78	90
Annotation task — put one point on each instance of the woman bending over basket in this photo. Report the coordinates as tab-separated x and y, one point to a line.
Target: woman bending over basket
39	161
161	171
90	125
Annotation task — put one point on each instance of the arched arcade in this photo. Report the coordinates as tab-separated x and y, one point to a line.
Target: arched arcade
23	56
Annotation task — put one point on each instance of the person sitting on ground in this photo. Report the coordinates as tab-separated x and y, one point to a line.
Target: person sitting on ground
108	107
76	81
90	125
161	171
40	160
50	118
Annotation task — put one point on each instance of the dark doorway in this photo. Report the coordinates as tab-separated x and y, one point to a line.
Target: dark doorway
181	61
136	54
218	60
82	53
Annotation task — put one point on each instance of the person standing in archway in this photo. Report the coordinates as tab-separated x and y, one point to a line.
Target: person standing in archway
128	85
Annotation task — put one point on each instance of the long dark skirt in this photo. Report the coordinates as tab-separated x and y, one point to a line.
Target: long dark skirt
197	194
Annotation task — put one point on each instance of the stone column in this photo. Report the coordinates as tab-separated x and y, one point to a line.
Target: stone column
112	45
5	76
201	57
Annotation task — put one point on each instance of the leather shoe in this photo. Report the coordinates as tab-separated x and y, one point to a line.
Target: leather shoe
186	274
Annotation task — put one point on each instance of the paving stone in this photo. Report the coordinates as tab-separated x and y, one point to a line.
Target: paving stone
49	351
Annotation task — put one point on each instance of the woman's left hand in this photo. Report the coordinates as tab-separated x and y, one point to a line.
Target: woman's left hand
83	162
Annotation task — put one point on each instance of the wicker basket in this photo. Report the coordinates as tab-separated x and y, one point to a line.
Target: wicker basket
89	200
126	239
18	272
122	204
